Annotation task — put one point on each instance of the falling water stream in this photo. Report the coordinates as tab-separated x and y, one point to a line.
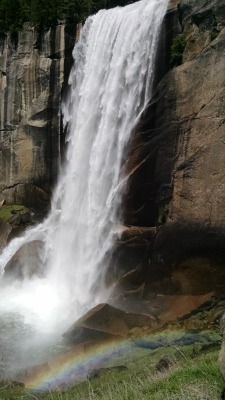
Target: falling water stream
110	83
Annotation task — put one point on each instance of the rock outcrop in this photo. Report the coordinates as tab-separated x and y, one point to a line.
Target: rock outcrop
105	322
26	262
33	69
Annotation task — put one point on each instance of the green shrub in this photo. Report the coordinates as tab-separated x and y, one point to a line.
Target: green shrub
177	50
46	13
214	33
163	213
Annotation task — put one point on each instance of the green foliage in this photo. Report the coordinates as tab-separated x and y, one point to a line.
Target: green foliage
177	50
11	15
194	376
214	33
164	211
7	212
46	13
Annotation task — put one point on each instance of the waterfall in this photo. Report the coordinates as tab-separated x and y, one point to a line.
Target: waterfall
110	83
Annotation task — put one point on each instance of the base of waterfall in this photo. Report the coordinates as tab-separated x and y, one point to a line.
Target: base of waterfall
147	298
173	364
106	333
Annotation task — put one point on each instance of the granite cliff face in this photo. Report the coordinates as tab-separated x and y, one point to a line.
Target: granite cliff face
186	119
33	70
177	159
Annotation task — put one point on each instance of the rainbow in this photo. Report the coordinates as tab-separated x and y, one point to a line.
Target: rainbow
75	365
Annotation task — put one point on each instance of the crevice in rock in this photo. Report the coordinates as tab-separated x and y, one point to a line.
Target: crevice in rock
12	186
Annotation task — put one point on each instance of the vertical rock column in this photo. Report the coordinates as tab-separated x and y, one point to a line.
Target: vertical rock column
32	74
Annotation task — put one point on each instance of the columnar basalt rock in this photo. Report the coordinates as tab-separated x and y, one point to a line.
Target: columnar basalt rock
33	70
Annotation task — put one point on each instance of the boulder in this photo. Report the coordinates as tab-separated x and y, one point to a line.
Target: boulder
165	363
172	308
26	262
105	322
5	230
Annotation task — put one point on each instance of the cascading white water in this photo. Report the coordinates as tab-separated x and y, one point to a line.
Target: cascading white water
110	83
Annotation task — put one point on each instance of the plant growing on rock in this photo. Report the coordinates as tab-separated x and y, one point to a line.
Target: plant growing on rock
163	213
177	50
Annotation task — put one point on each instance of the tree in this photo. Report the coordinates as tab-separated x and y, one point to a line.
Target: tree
46	13
11	15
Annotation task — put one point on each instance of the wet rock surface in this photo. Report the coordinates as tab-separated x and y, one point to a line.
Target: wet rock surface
26	262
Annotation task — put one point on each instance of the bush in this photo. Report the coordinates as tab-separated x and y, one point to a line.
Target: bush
163	213
177	50
46	13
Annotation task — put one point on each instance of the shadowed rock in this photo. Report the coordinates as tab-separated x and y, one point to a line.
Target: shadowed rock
26	262
165	363
175	164
5	230
131	255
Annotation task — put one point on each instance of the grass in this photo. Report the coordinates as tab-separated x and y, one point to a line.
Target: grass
195	375
187	380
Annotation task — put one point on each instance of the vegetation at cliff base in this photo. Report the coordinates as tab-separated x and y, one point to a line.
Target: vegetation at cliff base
193	375
46	13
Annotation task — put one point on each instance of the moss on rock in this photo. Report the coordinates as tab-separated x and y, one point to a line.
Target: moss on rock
8	212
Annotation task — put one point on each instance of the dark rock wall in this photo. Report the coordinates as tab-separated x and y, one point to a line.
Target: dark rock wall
181	131
177	160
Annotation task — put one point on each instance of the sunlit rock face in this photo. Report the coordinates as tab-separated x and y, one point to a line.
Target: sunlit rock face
33	69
